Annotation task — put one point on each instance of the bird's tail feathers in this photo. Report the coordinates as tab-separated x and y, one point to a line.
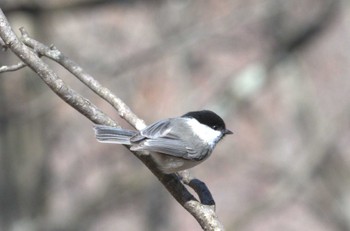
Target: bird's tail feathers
109	134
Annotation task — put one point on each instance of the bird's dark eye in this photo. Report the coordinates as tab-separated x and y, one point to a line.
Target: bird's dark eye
215	127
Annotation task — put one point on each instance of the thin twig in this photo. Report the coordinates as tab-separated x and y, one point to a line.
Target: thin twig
31	59
53	53
14	67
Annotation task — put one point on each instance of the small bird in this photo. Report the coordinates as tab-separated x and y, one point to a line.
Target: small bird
175	144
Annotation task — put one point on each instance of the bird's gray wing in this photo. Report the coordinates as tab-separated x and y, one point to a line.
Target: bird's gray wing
157	129
168	146
161	137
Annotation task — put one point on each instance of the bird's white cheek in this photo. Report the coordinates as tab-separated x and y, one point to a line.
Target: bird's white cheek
205	133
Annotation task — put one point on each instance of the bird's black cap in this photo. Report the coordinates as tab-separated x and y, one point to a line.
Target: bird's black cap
210	119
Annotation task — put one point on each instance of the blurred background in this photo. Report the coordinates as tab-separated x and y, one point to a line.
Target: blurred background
277	71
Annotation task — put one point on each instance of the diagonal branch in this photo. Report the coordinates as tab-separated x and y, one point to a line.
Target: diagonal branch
203	213
57	85
13	67
53	53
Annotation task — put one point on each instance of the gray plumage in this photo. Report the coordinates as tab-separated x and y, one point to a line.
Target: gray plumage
161	137
175	144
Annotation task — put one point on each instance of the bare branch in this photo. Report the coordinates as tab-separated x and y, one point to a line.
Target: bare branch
56	84
53	53
14	67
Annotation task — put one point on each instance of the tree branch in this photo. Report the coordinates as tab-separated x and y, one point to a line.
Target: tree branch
53	53
56	84
14	67
204	213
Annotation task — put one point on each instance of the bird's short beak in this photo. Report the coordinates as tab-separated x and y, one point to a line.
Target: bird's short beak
227	132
